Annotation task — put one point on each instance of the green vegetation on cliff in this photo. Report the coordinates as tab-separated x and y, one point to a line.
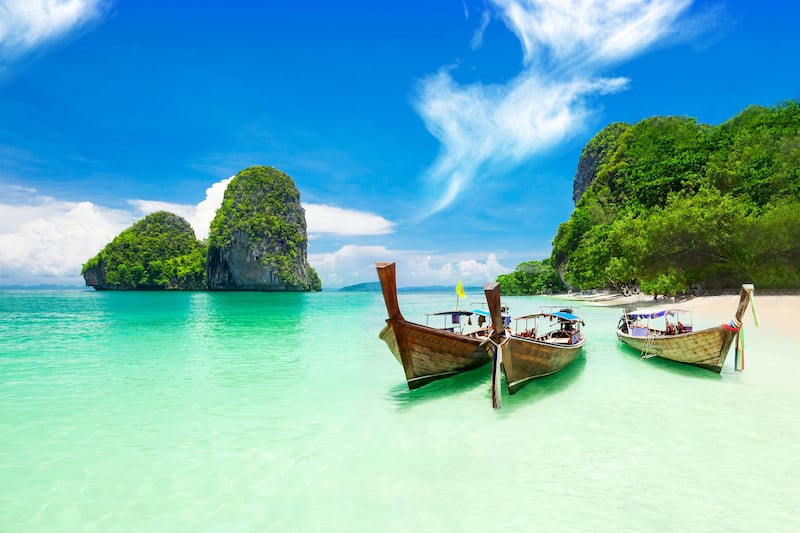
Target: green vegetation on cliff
680	206
257	242
677	205
264	203
158	252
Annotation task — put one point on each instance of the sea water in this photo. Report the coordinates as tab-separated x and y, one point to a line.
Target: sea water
148	411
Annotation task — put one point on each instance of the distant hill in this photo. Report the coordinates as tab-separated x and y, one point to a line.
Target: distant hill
375	286
42	287
372	286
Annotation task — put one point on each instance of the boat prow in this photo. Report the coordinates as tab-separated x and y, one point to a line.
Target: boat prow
540	344
426	353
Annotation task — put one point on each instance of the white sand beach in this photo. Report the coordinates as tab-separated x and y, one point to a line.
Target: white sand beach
774	312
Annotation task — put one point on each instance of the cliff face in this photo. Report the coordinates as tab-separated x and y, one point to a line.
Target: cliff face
593	155
258	237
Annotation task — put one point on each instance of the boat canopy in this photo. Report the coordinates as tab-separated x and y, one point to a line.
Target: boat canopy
654	314
481	312
558	314
566	316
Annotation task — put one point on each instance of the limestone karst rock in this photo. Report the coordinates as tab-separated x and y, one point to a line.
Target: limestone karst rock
258	237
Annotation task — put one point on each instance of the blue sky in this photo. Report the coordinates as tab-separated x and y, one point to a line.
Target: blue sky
441	135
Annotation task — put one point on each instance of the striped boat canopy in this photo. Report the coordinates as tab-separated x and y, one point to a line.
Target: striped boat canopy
654	314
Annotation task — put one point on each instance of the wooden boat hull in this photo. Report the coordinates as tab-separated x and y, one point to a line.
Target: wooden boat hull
706	348
526	359
428	354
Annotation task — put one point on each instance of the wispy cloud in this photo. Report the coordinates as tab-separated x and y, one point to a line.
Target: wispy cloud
477	37
566	44
28	24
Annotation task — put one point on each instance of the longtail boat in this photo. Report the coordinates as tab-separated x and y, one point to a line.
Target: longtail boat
540	344
428	353
669	334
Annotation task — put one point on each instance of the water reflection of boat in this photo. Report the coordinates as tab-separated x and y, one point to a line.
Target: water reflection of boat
670	334
540	344
429	353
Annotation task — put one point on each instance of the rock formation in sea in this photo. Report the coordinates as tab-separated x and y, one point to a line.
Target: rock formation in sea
258	238
158	252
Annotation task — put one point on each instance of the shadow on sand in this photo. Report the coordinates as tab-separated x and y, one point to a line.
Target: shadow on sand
540	388
447	387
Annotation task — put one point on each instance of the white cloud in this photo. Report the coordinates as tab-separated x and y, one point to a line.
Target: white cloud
199	216
321	218
27	24
356	264
566	43
206	210
46	241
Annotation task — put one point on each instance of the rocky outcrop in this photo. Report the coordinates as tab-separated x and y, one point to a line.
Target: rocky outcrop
257	242
258	237
240	266
95	276
158	252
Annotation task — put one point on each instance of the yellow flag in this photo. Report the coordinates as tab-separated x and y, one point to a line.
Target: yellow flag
460	289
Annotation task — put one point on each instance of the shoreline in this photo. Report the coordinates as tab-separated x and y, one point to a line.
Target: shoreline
775	311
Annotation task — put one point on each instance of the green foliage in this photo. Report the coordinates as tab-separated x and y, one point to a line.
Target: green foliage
531	277
161	251
315	284
772	245
264	203
677	205
187	271
157	252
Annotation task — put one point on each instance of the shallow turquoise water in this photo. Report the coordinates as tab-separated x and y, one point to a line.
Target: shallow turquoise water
285	412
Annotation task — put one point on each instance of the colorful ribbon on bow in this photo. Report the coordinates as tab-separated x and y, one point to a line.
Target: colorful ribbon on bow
738	361
738	358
